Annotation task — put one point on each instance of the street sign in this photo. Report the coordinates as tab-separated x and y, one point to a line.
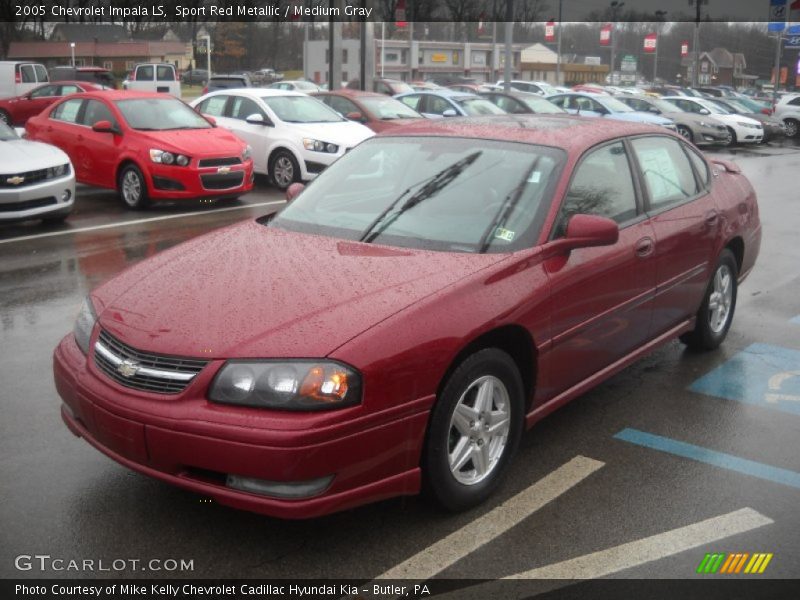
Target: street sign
628	64
792	42
550	31
777	15
684	49
605	35
650	41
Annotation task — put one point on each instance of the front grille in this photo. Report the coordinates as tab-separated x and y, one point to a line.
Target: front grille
222	181
148	372
28	178
219	162
27	204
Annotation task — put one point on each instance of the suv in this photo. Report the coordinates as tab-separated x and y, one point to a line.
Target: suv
227	82
95	75
788	111
154	77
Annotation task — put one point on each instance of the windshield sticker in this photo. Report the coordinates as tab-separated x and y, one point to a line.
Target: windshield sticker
535	177
504	234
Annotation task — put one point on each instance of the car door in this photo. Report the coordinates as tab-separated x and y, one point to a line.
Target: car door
37	101
62	129
96	154
257	135
601	296
686	222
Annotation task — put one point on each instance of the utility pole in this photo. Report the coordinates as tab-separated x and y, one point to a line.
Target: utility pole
615	6
696	42
777	68
508	54
558	50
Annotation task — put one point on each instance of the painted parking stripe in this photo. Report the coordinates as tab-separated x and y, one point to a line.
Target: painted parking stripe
484	529
711	457
137	222
761	374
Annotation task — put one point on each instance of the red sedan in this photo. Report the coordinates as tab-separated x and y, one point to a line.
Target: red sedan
146	146
407	316
16	111
379	112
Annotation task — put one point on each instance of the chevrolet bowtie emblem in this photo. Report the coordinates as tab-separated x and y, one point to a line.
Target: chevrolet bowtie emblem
16	180
224	170
128	368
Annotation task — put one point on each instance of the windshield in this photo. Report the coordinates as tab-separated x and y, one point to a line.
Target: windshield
160	114
716	109
476	107
614	105
301	109
386	108
7	133
433	193
541	105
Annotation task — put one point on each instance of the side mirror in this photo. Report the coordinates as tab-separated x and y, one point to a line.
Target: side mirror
354	116
293	191
584	231
104	127
211	120
257	119
450	112
704	111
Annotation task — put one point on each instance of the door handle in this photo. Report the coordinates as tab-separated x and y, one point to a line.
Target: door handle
711	217
644	247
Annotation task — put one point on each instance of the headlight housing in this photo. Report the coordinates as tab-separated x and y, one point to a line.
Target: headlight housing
58	171
247	153
165	157
84	325
296	385
319	146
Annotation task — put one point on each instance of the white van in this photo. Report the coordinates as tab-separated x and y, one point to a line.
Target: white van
17	78
154	77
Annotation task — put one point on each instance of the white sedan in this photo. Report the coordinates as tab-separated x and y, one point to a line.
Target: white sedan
37	180
294	136
742	130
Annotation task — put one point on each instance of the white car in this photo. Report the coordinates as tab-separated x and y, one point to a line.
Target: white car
294	136
534	87
37	180
743	130
788	111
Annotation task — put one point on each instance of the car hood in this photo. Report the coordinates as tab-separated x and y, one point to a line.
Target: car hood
344	133
250	291
379	125
640	117
19	156
687	117
197	142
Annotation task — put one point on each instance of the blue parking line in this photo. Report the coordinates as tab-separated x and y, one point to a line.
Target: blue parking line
710	457
795	320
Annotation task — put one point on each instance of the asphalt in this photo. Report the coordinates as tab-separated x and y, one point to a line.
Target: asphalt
62	498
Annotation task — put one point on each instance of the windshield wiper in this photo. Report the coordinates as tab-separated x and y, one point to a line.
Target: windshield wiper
509	203
434	185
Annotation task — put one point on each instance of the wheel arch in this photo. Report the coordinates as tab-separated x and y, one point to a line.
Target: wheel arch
288	148
736	245
124	162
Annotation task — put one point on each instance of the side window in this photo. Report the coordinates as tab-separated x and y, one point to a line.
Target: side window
509	105
602	185
341	105
666	170
41	73
46	91
165	73
412	101
96	111
27	74
66	90
244	107
436	105
213	106
67	111
700	165
382	88
560	101
144	73
794	101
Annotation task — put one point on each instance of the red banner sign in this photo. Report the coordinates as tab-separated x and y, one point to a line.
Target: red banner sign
605	35
400	13
550	31
650	42
684	49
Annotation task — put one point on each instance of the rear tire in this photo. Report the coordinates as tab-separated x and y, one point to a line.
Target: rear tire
5	118
474	430
791	127
685	133
133	188
716	312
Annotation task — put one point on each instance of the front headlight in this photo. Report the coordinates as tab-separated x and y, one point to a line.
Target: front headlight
299	385
318	146
84	325
247	153
168	158
58	171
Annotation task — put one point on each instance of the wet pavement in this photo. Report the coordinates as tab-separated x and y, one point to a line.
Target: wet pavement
680	437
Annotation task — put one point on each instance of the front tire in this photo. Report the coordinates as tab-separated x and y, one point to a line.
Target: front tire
716	312
133	188
474	430
731	140
791	127
685	133
283	169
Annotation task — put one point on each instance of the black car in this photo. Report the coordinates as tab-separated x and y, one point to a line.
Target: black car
96	75
227	82
195	77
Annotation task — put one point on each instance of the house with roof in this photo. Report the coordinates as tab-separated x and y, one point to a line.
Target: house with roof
719	67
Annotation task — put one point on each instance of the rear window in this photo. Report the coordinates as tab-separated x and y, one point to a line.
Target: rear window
225	83
41	73
165	73
144	73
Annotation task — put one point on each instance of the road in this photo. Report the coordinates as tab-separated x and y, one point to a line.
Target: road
680	455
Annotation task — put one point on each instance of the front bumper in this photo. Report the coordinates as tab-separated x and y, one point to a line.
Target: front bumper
706	135
314	163
167	437
39	200
192	182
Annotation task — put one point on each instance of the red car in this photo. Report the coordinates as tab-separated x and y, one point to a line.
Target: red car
147	146
405	317
16	111
379	112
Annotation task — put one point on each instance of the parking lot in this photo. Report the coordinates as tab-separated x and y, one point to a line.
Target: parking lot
681	455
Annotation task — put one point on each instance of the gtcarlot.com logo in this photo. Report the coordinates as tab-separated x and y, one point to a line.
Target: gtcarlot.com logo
45	562
734	563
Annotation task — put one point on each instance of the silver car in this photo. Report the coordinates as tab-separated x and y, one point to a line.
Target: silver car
37	180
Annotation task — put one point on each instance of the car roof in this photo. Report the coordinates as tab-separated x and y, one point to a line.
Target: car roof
119	94
257	92
350	93
444	92
572	133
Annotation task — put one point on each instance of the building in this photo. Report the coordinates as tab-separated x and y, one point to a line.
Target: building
412	61
719	67
87	32
540	63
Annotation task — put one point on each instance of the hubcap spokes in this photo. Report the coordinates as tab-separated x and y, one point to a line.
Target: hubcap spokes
479	430
131	188
721	299
284	171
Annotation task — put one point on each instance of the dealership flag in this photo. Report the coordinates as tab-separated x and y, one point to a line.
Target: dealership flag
605	35
550	31
650	41
684	49
794	18
400	13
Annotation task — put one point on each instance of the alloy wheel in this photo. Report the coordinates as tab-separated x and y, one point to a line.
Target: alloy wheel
721	299
131	188
283	171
